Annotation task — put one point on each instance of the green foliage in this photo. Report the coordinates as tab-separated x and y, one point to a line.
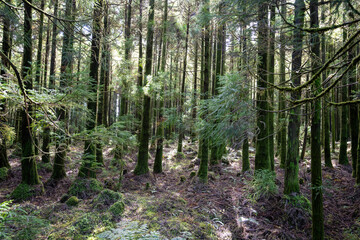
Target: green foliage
72	201
106	198
130	230
298	201
117	209
86	223
8	133
230	114
3	173
263	185
16	223
85	187
23	192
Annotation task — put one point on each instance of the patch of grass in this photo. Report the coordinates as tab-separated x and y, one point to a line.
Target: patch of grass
298	201
4	172
23	192
263	185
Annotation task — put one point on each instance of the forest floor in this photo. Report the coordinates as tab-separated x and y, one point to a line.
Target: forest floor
174	205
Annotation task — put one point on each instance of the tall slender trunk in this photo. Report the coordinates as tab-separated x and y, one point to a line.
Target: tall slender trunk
245	61
282	100
182	92
262	160
65	79
6	46
203	168
47	130
343	158
28	163
89	158
160	128
270	79
316	178
292	161
142	166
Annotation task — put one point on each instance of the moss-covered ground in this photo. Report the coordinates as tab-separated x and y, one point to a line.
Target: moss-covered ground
174	205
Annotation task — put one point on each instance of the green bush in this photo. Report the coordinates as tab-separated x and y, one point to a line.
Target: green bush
263	185
23	192
16	223
298	201
106	198
86	223
72	201
117	209
4	172
84	188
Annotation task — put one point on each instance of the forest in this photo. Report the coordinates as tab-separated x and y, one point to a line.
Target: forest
179	119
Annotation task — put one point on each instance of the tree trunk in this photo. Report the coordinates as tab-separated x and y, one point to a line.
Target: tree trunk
142	166
316	178
89	159
160	127
28	163
65	79
292	162
262	159
203	168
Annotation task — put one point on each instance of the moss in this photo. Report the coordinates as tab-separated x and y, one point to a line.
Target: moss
192	174
85	187
86	223
4	172
23	192
106	198
72	201
117	209
64	198
182	178
180	155
46	166
147	186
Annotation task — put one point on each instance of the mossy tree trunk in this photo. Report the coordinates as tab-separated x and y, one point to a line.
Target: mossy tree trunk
182	93
262	159
245	62
142	166
316	178
203	168
194	96
66	68
6	47
89	158
282	100
292	162
28	163
160	127
47	130
270	79
215	148
343	158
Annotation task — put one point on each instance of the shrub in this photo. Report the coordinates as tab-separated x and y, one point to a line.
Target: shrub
117	209
4	172
84	188
23	192
106	197
72	201
263	185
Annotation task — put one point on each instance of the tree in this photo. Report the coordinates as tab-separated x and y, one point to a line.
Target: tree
89	158
203	168
28	164
6	39
160	128
316	178
65	78
262	158
292	162
143	155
